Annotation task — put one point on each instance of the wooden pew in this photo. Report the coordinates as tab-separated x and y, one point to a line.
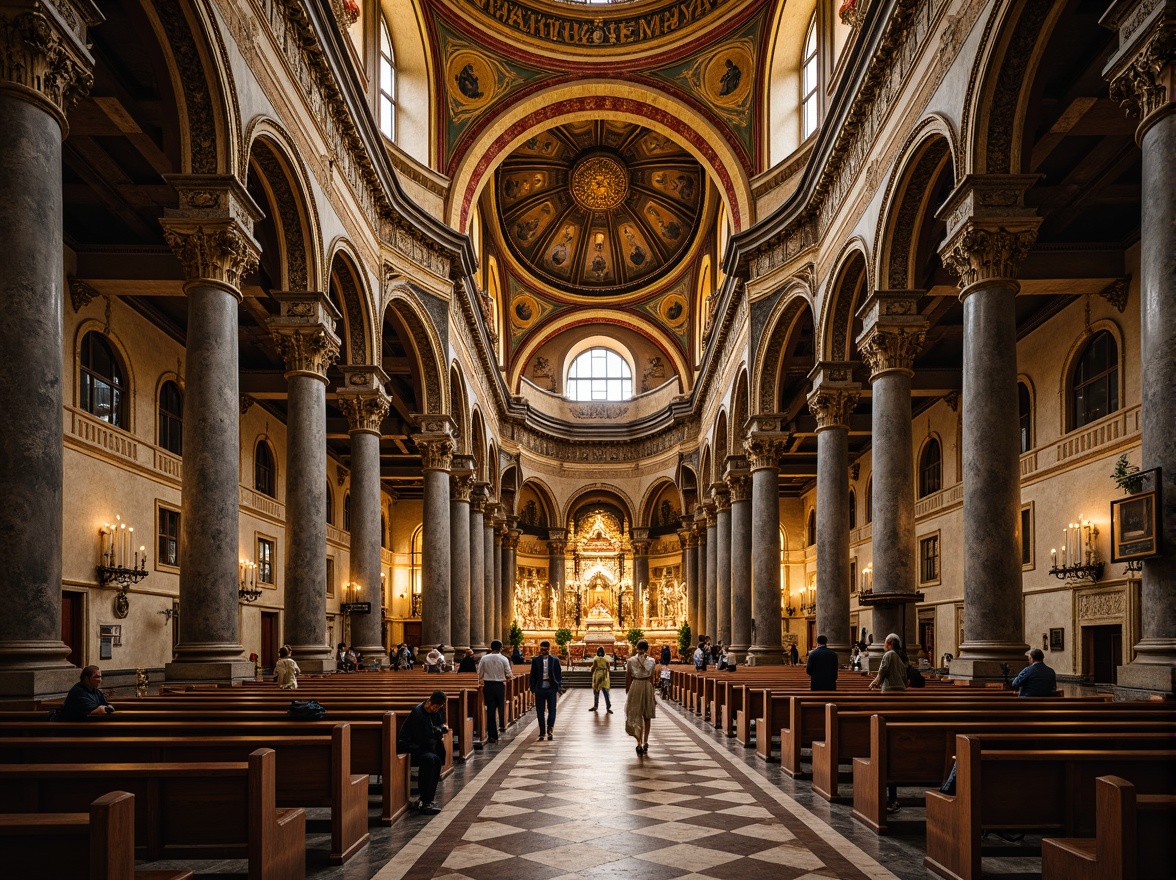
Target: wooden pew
848	735
1134	840
373	738
920	753
237	815
311	771
95	845
1028	789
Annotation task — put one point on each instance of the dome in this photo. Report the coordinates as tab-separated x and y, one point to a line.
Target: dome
599	208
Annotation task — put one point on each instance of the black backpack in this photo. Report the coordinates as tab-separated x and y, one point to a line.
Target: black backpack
915	678
306	710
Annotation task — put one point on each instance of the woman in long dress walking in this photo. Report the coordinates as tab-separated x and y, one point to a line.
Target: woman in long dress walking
600	682
640	674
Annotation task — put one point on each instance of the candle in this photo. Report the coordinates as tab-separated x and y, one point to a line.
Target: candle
142	556
1054	557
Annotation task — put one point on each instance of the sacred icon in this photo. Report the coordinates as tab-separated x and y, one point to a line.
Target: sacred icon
672	309
467	82
524	310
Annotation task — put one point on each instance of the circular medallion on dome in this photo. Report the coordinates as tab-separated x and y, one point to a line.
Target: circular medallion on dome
600	207
599	183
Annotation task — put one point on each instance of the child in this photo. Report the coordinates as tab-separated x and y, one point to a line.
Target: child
286	670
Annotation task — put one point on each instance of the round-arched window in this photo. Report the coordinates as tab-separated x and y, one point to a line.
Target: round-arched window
103	381
1094	383
930	468
600	374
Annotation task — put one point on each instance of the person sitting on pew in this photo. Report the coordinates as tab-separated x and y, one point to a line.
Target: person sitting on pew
435	660
892	673
286	670
1036	679
469	662
85	699
421	737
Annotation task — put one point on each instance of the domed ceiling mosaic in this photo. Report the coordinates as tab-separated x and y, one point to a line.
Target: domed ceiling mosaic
599	207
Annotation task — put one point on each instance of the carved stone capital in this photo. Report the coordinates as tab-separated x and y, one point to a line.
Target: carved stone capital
887	348
365	410
1142	73
979	255
557	548
479	497
44	52
510	539
739	483
641	548
721	495
1116	293
764	450
211	230
832	405
436	451
307	350
461	486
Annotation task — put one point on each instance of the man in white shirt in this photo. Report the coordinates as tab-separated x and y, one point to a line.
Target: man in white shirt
493	671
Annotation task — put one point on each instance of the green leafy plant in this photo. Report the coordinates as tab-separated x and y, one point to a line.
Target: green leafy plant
1127	475
633	636
563	635
515	637
685	640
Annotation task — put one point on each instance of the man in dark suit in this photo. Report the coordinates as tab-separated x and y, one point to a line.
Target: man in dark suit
822	666
546	681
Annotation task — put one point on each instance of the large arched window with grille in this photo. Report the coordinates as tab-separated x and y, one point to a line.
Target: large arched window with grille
808	81
868	510
347	512
265	470
387	84
171	418
103	381
811	531
600	374
1094	381
930	468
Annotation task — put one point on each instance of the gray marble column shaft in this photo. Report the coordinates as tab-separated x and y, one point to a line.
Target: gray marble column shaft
723	568
741	613
500	613
366	561
478	640
765	561
833	586
435	552
510	543
459	573
490	629
640	584
690	570
711	605
556	572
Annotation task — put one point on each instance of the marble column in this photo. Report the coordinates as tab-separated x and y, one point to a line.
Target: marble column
984	247
478	640
510	547
216	252
557	544
831	402
764	448
1143	79
710	601
461	485
501	615
698	623
490	630
690	570
364	403
640	541
722	593
47	69
436	446
892	335
304	333
739	484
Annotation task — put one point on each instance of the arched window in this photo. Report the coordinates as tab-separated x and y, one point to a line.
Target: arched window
808	82
103	381
383	531
329	500
783	566
1025	416
600	374
930	468
1094	384
347	512
418	544
387	84
264	470
812	527
171	418
852	509
869	508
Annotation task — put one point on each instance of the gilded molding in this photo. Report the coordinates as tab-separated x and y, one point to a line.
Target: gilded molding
832	407
306	350
43	50
365	410
981	254
887	349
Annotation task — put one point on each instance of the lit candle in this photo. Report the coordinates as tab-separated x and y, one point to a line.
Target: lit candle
142	556
1054	557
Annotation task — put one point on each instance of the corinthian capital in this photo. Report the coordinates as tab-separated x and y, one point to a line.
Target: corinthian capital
832	407
44	54
764	449
212	230
891	349
436	451
835	394
306	351
739	483
978	254
364	410
1143	71
510	539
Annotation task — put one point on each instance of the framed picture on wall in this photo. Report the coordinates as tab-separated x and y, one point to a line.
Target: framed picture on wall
1057	639
1135	526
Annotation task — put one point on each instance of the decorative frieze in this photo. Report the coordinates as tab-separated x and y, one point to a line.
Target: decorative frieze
1093	606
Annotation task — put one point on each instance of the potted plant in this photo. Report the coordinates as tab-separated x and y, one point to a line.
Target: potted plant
684	641
1127	475
633	636
515	636
563	635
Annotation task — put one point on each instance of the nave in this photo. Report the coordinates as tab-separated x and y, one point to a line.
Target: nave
586	806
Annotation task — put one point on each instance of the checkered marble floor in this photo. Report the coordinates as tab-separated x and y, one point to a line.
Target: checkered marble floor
585	805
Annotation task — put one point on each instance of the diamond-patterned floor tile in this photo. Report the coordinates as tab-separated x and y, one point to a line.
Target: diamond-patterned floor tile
468	855
489	830
688	856
575	856
766	831
794	856
678	832
668	812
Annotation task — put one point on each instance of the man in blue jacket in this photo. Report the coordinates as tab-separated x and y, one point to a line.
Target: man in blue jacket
1036	679
546	681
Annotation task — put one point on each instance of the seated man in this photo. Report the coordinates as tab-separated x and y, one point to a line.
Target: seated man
1036	679
421	738
85	699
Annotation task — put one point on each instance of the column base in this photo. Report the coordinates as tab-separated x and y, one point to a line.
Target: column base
772	655
987	669
376	654
37	684
1142	681
480	650
739	653
221	671
315	665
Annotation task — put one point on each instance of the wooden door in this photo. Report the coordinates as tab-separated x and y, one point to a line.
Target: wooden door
412	633
1102	652
72	626
927	638
269	639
